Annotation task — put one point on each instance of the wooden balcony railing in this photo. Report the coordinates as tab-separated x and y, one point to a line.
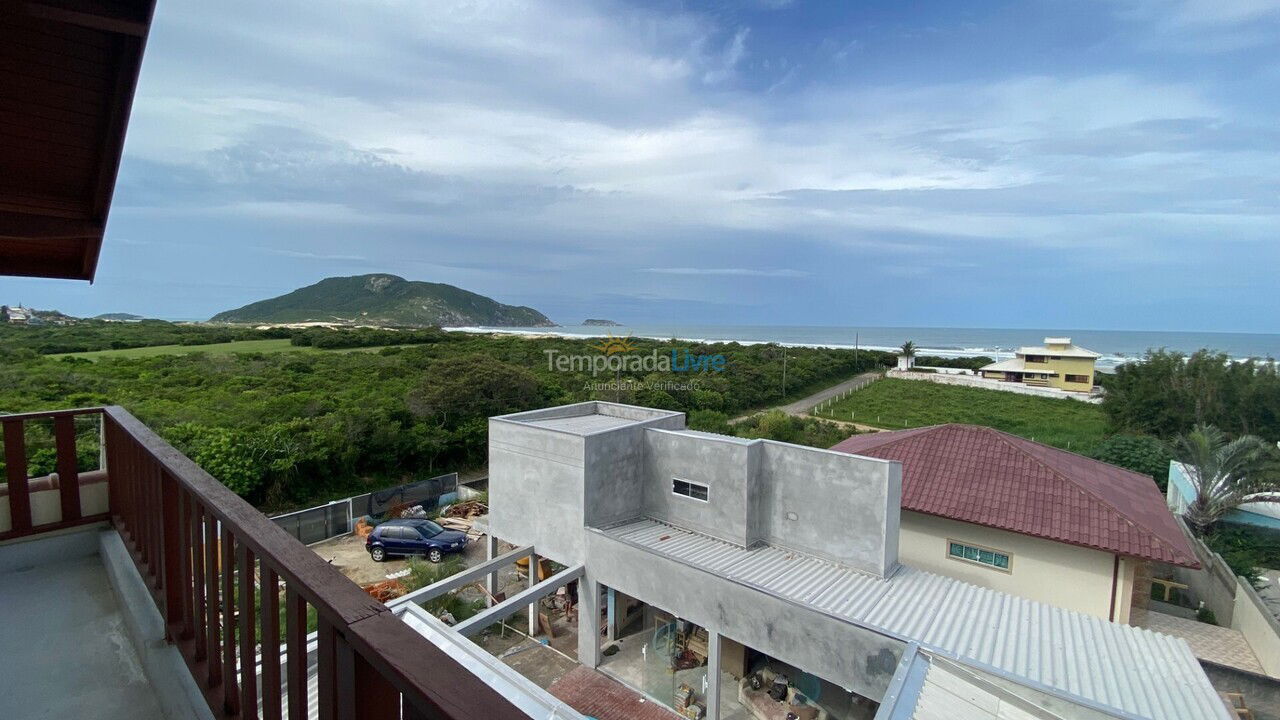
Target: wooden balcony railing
224	576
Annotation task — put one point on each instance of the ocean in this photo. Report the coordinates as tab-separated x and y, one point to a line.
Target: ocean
1116	346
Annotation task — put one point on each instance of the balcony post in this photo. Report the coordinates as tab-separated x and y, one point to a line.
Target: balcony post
172	551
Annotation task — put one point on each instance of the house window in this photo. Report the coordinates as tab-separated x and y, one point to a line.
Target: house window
1035	358
1077	378
977	554
690	489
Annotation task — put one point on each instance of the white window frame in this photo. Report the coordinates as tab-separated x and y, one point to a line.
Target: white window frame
979	563
691	483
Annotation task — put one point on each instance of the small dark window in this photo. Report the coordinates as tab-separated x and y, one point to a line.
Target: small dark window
694	490
1077	378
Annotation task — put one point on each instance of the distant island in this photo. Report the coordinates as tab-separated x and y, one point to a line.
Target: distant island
119	317
387	301
597	322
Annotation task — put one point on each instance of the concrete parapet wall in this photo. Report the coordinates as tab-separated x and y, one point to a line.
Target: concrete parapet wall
1259	626
856	658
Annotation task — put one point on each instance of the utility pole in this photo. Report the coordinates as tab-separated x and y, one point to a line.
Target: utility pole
855	351
784	371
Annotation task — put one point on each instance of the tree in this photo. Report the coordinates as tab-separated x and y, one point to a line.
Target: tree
1139	453
472	386
908	349
1224	473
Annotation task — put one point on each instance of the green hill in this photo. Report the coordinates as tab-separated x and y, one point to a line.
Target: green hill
382	299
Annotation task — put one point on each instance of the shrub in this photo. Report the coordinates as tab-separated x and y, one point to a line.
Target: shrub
1140	453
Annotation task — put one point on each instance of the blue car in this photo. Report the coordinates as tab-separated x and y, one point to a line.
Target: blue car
413	537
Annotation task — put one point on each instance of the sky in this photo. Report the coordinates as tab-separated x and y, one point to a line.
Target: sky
1109	165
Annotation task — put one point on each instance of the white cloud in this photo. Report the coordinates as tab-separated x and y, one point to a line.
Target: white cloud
741	272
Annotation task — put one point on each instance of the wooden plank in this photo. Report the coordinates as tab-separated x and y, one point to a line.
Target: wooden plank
230	689
270	593
327	678
212	602
50	527
295	621
100	18
379	698
248	638
64	435
319	583
172	551
198	577
15	462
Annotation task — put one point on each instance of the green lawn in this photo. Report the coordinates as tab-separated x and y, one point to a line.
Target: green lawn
895	404
243	346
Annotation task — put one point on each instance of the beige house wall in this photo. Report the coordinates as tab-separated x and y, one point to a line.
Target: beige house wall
1068	576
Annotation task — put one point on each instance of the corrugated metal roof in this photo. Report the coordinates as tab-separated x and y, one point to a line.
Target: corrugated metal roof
1127	668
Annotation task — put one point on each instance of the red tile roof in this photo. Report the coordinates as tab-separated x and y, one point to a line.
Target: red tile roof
987	477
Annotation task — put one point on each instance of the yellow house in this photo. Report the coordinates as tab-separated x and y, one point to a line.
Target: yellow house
1056	364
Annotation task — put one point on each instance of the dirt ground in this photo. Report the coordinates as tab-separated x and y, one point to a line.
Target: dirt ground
348	555
541	663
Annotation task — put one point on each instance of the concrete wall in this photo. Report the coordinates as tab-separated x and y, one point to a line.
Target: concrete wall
1259	627
1214	583
46	504
1261	693
536	489
855	658
833	505
547	484
1067	576
721	464
615	472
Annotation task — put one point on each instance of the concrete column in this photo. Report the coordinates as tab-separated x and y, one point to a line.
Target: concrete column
491	580
588	622
611	614
533	580
713	675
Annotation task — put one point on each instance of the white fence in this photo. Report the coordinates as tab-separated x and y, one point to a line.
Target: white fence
988	384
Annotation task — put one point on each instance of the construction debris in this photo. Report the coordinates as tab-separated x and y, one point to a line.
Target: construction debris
386	590
468	509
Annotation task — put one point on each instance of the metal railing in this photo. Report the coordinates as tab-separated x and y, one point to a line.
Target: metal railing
223	576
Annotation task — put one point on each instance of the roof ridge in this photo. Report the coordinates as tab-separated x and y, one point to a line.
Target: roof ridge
901	436
1004	437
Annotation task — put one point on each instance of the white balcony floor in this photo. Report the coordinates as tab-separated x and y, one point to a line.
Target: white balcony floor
64	652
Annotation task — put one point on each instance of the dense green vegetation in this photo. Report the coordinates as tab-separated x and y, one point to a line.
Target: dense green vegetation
240	346
1168	393
382	299
1245	549
967	363
896	404
289	428
1140	453
91	335
773	425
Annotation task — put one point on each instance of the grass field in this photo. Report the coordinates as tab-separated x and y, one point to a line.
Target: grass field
243	346
895	404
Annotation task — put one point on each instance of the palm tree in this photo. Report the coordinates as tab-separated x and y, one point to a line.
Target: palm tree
908	349
1224	473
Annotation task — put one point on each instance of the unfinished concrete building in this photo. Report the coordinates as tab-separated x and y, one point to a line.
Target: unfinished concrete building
708	562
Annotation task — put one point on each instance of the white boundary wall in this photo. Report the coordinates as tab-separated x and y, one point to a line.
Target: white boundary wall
986	384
